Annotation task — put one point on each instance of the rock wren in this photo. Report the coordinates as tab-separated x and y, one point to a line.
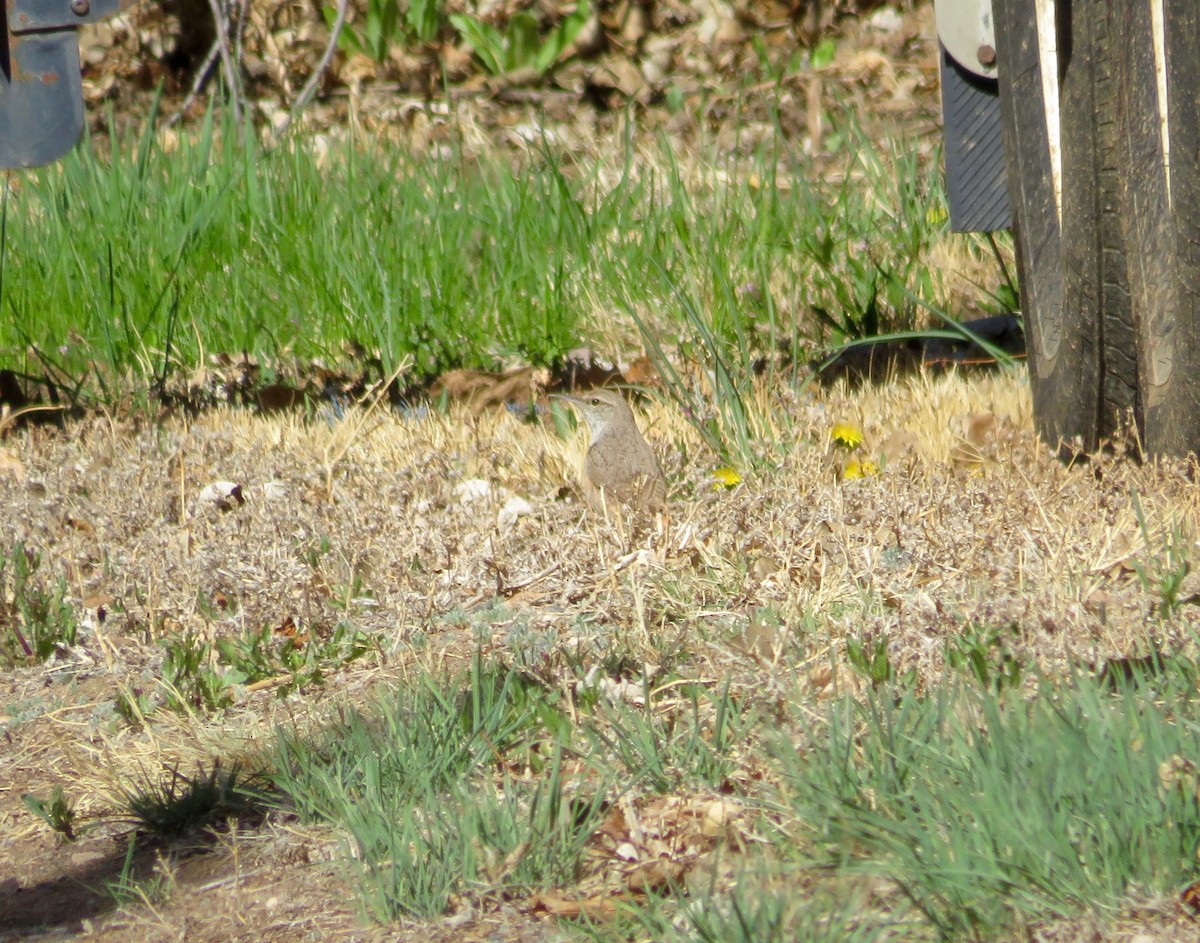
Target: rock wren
620	468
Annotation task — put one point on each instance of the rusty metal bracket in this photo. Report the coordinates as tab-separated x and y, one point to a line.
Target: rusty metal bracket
41	94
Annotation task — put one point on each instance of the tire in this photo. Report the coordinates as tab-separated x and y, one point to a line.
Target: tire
1074	291
1161	210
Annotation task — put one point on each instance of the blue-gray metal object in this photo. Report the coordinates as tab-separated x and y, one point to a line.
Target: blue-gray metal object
41	95
976	179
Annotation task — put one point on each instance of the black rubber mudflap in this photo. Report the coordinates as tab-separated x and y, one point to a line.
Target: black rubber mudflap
976	183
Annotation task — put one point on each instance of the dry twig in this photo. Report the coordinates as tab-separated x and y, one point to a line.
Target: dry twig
228	66
310	87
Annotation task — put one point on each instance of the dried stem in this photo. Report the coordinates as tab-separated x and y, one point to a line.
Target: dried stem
228	66
310	87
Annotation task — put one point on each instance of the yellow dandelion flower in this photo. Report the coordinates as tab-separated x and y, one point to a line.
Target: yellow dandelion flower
847	435
935	215
856	469
725	477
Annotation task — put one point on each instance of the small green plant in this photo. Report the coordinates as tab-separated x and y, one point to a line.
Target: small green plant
314	552
422	786
57	812
422	740
305	656
387	25
694	744
1162	571
985	654
764	908
990	810
198	675
191	676
172	803
424	19
134	705
869	657
36	622
723	416
823	54
379	32
514	836
861	288
858	317
127	888
522	44
772	67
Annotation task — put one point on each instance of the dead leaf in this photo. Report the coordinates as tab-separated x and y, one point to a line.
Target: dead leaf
828	681
11	465
657	877
222	495
643	372
597	908
869	63
613	826
276	397
1098	602
618	74
1189	899
719	814
897	445
481	389
815	117
1178	772
511	860
981	429
966	455
472	490
513	510
1119	548
761	638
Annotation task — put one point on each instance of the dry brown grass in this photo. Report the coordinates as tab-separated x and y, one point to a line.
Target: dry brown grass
970	521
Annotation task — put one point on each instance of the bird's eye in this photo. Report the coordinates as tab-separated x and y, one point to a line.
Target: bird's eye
595	400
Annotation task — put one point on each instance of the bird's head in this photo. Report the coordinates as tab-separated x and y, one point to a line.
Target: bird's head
600	408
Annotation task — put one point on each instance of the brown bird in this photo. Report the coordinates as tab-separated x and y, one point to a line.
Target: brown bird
620	468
